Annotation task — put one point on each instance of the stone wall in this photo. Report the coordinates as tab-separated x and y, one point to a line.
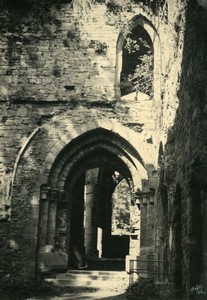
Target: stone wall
183	202
58	82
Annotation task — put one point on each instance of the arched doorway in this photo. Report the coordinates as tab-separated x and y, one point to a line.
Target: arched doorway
84	177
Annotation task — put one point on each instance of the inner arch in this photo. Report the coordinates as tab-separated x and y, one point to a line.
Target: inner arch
96	141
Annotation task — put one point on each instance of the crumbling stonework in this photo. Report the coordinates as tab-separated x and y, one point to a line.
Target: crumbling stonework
182	188
62	115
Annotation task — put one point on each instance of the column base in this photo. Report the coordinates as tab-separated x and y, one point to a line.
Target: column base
78	257
92	254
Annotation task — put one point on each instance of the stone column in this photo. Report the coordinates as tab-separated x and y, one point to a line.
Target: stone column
52	215
143	229
150	233
77	251
134	246
77	213
90	221
44	208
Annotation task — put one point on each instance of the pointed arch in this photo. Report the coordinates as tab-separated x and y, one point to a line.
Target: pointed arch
140	20
80	141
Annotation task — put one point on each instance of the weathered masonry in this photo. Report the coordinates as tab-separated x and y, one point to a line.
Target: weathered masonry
99	148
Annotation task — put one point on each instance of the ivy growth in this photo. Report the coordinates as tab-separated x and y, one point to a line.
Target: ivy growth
140	80
144	288
137	68
137	54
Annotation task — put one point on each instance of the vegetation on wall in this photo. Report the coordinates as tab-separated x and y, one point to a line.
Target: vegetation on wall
31	3
197	292
144	288
137	68
16	14
125	217
99	47
139	76
116	6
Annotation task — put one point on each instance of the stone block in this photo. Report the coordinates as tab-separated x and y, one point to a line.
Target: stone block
131	262
53	261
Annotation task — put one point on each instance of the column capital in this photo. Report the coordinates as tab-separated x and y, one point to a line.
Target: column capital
44	192
51	194
144	197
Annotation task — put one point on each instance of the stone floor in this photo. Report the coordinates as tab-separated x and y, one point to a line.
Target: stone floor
106	295
103	279
110	284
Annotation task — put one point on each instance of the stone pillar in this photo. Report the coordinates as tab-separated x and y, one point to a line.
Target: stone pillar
134	246
77	213
90	218
147	230
143	229
44	208
51	225
5	192
77	251
150	222
150	233
48	257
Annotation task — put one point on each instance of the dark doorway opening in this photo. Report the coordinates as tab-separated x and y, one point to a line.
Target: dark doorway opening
100	224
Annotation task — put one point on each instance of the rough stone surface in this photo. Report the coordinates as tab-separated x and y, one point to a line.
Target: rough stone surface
58	85
181	229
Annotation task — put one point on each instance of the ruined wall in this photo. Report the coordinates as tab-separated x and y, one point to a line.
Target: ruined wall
47	57
181	194
58	74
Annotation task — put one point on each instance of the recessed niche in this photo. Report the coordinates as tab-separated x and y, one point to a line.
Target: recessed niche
69	87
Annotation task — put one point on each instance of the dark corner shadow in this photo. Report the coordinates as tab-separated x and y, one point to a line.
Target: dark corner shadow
118	297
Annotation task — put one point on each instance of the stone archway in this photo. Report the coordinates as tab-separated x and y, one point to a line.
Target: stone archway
44	175
68	191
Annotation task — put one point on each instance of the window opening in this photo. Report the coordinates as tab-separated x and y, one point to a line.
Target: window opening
137	64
